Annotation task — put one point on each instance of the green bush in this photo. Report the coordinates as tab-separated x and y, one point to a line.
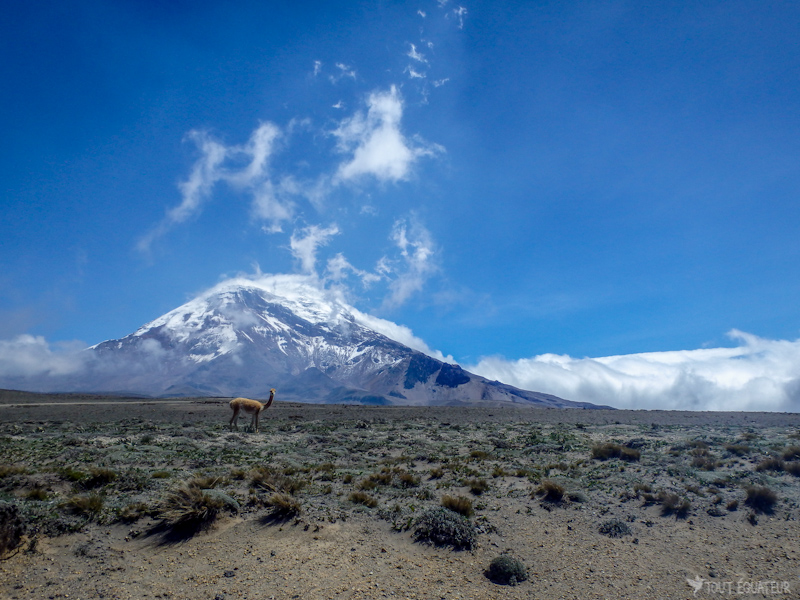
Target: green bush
614	528
506	570
443	527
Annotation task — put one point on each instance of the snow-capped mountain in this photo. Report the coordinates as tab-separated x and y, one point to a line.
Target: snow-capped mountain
245	336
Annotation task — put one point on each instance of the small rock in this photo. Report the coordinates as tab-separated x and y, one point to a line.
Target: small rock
229	573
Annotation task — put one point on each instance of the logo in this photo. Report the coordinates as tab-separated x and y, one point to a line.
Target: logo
764	587
696	583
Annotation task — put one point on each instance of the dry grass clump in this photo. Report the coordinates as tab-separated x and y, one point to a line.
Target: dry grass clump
791	453
761	499
135	511
792	468
12	528
506	570
37	493
204	482
274	480
737	449
407	480
8	470
674	504
706	463
283	506
436	473
363	498
85	505
771	464
610	450
98	477
443	527
190	509
459	504
477	486
550	491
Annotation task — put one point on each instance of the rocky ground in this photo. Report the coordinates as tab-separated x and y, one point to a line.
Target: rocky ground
132	498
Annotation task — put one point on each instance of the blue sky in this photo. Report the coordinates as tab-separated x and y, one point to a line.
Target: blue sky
510	180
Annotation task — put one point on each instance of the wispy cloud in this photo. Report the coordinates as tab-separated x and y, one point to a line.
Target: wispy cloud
244	167
758	374
413	54
305	243
376	143
460	14
416	265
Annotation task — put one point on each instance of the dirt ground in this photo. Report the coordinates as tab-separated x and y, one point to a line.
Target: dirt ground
717	544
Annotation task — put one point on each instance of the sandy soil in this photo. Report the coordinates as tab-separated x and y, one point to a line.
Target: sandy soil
336	548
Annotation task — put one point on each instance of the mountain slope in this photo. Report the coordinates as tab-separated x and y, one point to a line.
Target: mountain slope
244	337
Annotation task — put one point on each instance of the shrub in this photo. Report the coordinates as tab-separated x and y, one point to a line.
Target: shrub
436	473
190	509
283	506
642	487
73	475
85	505
550	491
793	468
614	528
362	498
443	527
791	453
134	511
577	496
761	499
367	484
12	528
98	477
506	570
673	504
160	474
407	480
7	470
770	464
459	504
37	493
610	450
732	505
275	481
477	486
737	449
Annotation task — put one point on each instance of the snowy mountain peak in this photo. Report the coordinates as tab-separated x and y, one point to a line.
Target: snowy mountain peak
245	336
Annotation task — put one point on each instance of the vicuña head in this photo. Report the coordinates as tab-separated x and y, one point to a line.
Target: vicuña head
251	407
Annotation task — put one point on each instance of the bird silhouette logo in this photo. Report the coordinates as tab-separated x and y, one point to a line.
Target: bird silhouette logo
696	583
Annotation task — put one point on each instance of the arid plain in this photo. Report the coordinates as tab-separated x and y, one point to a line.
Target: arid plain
134	498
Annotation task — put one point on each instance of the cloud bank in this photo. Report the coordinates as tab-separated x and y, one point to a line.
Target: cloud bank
756	375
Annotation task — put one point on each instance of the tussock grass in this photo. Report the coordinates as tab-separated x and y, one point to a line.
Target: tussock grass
283	506
363	498
458	504
85	505
761	499
550	491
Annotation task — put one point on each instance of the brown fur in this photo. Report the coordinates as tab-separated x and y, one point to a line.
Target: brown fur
251	407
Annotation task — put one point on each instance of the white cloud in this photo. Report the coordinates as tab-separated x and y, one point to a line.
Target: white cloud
344	71
758	374
413	74
377	145
32	356
459	14
244	167
413	54
304	245
417	252
317	67
339	267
